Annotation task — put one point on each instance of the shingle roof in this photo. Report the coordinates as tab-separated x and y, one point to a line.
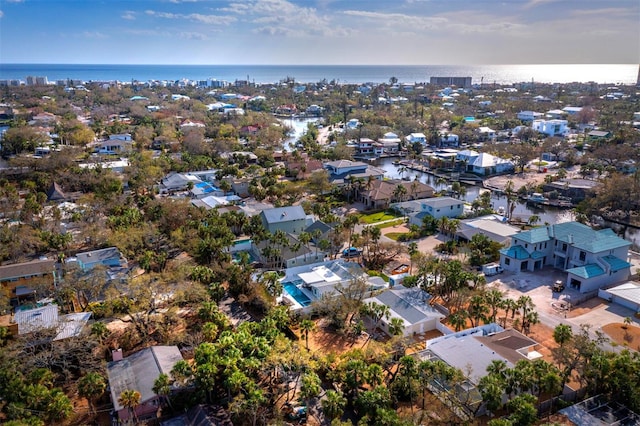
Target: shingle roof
140	370
20	270
284	214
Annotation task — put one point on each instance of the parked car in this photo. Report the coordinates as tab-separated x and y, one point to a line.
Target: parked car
351	252
492	269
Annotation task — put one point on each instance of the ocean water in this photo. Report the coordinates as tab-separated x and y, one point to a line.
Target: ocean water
350	74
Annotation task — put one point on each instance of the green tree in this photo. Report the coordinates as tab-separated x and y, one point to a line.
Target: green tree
130	399
562	334
523	410
91	386
162	388
333	404
306	327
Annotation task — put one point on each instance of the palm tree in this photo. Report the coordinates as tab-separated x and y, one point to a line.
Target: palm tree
399	193
333	404
458	320
91	386
396	326
413	250
562	334
130	399
307	326
162	388
59	406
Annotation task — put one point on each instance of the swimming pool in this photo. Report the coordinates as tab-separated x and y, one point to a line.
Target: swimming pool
295	292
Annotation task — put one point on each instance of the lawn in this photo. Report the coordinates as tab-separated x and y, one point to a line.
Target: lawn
390	224
395	235
376	217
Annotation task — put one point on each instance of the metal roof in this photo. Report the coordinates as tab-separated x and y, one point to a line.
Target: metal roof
628	291
616	264
284	214
98	255
410	304
515	252
140	370
576	234
587	271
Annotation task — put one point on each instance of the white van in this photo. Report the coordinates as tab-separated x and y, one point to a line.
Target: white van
492	269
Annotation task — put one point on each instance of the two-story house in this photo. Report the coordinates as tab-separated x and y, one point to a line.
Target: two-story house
291	219
591	259
109	257
551	127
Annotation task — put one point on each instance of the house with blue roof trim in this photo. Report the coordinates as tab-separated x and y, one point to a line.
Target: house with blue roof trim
592	259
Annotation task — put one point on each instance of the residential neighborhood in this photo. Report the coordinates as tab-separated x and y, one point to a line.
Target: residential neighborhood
318	253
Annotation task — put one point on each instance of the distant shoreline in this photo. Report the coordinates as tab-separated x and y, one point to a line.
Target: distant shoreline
344	74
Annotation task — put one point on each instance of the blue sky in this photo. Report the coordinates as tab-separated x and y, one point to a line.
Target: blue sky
320	31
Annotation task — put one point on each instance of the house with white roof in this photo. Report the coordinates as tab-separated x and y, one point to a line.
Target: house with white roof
592	259
486	133
47	317
483	164
571	110
304	284
448	139
551	127
529	115
627	295
416	137
493	227
411	305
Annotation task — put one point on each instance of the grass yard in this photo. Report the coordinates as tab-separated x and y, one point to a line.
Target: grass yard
390	224
395	235
376	217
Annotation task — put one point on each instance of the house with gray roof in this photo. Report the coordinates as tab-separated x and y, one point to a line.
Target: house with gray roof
290	219
472	351
139	372
592	259
411	305
437	207
110	257
17	279
47	317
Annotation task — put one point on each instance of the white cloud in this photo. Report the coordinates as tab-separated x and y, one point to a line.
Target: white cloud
206	19
1	14
190	35
238	8
14	1
128	15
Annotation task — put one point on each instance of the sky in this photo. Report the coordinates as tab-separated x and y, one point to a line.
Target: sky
322	32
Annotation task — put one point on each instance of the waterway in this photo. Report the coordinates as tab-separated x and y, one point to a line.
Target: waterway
523	211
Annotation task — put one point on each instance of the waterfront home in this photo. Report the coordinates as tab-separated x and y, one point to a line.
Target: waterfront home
493	227
343	171
416	137
365	147
411	306
436	207
381	193
592	259
575	189
139	372
448	139
483	164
